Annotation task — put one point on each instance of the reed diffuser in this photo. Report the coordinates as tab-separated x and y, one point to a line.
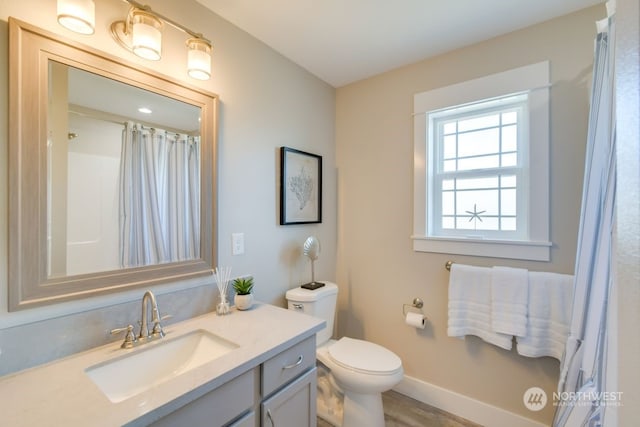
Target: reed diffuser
222	276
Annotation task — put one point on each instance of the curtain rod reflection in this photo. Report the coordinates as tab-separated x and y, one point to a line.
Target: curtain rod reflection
121	120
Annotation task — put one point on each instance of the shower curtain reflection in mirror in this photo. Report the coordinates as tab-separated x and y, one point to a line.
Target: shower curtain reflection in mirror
159	196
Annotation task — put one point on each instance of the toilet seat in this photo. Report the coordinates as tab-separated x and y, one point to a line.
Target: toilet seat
364	357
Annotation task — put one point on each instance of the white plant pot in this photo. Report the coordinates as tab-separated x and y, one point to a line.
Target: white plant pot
244	302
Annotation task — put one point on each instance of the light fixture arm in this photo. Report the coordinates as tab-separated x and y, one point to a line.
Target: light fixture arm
169	21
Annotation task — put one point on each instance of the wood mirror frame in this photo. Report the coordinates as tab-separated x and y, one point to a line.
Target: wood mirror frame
30	50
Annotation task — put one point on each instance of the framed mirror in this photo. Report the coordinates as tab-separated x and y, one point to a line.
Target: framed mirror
112	174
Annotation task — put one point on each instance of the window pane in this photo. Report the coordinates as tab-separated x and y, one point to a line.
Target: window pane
490	223
478	143
467	223
449	165
448	222
509	138
479	123
510	159
449	149
463	223
449	128
448	206
484	202
508	181
447	184
509	118
508	224
476	183
508	202
484	162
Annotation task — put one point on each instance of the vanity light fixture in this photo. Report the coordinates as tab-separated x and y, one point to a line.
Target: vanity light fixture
146	35
199	58
141	33
77	15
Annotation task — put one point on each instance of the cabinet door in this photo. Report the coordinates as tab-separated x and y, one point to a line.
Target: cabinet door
294	405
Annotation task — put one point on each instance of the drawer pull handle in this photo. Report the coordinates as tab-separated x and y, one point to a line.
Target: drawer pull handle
270	418
298	362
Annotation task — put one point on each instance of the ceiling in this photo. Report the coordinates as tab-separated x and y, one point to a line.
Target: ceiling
94	95
342	41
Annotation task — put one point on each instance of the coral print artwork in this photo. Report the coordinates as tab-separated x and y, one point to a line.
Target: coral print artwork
300	187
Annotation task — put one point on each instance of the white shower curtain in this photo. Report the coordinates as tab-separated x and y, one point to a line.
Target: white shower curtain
159	197
584	372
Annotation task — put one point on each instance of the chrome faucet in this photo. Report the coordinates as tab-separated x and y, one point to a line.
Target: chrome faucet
130	339
157	331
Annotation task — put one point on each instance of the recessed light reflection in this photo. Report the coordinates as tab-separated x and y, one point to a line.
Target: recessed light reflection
145	110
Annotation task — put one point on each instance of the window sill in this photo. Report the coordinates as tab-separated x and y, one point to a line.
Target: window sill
512	249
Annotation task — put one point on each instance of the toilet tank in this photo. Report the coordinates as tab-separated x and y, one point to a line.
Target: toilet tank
319	303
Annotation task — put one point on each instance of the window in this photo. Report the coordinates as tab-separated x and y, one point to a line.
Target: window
478	154
475	190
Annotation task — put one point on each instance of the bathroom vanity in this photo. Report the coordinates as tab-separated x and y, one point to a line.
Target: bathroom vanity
266	375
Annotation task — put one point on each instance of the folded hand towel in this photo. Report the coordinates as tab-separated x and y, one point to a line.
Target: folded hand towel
550	299
470	305
509	300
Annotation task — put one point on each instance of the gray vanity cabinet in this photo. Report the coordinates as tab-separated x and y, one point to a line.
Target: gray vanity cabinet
219	407
280	392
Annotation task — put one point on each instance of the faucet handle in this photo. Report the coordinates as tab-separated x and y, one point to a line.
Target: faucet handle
129	337
157	327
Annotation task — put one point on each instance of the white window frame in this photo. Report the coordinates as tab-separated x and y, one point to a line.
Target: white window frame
531	79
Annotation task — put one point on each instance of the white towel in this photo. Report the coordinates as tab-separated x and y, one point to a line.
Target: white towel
550	299
470	305
509	300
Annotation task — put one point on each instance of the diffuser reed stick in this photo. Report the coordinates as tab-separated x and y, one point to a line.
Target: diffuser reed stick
222	276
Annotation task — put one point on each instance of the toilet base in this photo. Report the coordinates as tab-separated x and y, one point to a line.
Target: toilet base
332	415
362	410
330	398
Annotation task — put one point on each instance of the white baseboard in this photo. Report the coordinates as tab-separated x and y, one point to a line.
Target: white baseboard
461	405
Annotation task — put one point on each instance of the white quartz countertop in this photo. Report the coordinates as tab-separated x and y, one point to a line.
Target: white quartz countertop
61	393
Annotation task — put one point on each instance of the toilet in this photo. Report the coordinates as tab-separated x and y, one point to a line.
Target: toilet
352	373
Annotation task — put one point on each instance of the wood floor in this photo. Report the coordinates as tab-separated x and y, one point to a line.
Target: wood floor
403	411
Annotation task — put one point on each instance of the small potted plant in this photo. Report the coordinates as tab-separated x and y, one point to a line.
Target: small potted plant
243	287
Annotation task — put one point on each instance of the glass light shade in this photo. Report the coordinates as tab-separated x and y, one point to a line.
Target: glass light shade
77	15
146	35
199	59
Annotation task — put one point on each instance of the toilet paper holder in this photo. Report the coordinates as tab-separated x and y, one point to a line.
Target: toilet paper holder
417	303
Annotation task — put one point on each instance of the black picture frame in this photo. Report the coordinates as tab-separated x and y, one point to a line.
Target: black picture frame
300	187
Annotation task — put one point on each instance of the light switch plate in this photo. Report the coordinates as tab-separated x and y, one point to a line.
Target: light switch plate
237	243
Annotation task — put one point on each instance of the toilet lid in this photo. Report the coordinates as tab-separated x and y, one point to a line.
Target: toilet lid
364	356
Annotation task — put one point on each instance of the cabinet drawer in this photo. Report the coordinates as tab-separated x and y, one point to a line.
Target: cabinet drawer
289	364
217	407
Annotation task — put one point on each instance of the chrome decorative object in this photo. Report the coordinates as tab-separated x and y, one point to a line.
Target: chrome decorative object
311	250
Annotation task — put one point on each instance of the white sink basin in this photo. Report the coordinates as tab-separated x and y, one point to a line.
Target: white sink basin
133	373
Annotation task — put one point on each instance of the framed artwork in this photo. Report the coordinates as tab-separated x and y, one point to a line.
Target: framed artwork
300	187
